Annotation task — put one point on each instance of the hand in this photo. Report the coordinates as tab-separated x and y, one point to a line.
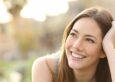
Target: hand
109	41
109	48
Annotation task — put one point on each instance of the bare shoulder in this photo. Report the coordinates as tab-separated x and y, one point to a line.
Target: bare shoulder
45	60
43	69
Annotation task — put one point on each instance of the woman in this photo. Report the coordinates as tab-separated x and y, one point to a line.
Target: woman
88	51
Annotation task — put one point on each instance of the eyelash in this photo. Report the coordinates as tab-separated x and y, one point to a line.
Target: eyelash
90	40
73	34
87	39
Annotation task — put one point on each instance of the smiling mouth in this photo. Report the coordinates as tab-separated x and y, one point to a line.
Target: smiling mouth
78	56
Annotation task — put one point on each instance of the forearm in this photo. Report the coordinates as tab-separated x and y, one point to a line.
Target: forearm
109	48
110	53
111	61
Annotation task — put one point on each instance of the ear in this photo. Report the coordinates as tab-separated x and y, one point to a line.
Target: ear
102	55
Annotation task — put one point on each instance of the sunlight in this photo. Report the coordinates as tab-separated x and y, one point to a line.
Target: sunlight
38	10
56	7
5	16
33	10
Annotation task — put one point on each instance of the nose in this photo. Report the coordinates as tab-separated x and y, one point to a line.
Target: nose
78	45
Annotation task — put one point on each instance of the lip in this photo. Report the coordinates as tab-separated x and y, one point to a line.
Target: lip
77	55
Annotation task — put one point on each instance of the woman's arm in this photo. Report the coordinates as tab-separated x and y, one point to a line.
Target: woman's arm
41	70
109	48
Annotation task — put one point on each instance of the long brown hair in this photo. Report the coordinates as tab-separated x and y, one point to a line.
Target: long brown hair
104	20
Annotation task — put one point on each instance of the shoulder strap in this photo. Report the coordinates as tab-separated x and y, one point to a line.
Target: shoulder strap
56	66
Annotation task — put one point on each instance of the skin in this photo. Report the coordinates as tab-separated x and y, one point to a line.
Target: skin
43	67
109	48
84	49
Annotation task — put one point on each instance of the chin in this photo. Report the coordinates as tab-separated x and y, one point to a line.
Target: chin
75	66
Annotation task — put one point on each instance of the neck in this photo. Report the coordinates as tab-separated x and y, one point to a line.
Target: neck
85	75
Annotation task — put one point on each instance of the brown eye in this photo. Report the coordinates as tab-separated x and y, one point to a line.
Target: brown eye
72	34
90	40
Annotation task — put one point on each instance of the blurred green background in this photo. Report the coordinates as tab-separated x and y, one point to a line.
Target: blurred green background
33	28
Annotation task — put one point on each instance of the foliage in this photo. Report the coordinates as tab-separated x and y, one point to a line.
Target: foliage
8	67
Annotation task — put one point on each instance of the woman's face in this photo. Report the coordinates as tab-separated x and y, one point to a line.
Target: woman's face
84	44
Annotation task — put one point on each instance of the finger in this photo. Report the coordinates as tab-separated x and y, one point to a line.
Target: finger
110	37
111	32
113	24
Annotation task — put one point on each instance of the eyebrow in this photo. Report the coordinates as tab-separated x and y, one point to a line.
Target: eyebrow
87	35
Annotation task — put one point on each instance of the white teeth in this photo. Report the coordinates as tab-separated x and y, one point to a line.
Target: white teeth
78	56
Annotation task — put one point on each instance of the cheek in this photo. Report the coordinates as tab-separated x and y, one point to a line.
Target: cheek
68	43
93	51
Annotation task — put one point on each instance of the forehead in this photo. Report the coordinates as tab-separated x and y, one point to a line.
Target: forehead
87	26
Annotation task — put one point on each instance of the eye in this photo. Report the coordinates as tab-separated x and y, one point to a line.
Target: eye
90	40
72	34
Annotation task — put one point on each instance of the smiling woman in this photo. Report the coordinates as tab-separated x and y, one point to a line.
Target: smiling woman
85	54
83	47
